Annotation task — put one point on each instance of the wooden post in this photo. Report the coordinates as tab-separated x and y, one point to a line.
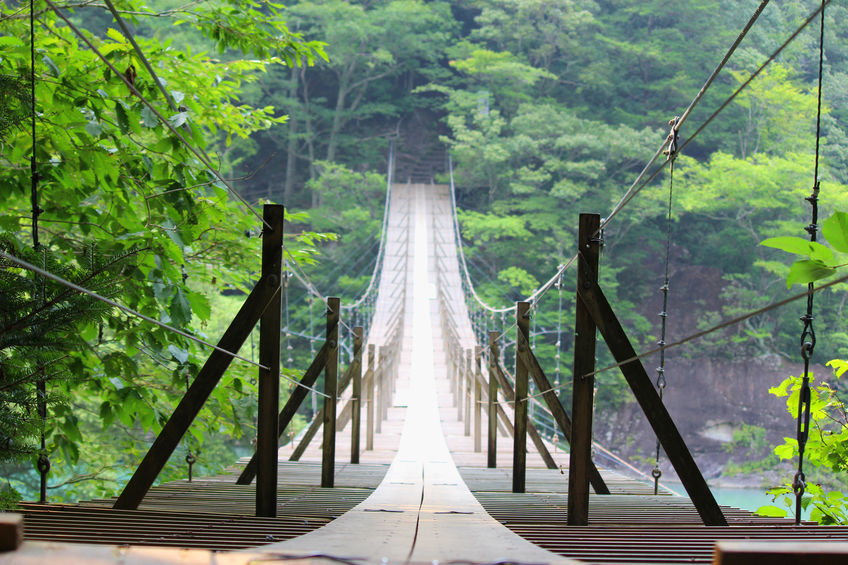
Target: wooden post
331	375
580	456
478	393
378	387
369	400
454	369
267	435
11	532
532	432
560	415
655	411
356	399
460	384
492	459
290	409
519	449
469	386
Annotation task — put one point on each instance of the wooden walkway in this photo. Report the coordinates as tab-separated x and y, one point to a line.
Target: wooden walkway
423	494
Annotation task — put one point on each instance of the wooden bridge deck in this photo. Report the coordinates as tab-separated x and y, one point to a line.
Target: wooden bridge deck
422	495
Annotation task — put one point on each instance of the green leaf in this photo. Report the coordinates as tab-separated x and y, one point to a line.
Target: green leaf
178	119
835	231
806	271
148	118
179	354
772	511
123	119
180	309
800	246
54	70
785	451
94	129
199	305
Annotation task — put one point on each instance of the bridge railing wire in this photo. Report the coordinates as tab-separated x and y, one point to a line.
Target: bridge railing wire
646	175
75	287
375	275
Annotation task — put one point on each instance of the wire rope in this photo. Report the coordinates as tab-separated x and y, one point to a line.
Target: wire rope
661	382
712	329
808	333
30	267
128	310
383	234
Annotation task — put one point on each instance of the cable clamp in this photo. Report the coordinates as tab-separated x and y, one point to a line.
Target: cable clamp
672	139
43	463
799	483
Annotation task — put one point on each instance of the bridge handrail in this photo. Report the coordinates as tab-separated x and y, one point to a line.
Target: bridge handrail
535	296
380	251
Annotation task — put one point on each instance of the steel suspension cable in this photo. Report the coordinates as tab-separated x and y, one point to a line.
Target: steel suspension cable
73	286
201	155
661	382
383	231
808	333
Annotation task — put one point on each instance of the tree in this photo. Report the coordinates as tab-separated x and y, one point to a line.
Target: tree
124	173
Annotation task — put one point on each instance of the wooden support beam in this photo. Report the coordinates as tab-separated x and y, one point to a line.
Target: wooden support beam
297	397
519	441
267	433
478	394
596	304
202	386
331	375
492	444
369	399
560	415
356	399
583	395
509	394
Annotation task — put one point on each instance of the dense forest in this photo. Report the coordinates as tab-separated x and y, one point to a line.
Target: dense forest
545	110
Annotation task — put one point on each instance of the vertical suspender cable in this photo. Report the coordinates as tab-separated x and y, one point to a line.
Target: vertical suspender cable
808	334
33	168
671	152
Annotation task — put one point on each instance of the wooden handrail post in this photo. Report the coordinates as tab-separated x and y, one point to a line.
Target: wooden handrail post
369	401
478	393
331	375
378	388
492	459
469	386
460	384
356	398
583	382
267	434
519	449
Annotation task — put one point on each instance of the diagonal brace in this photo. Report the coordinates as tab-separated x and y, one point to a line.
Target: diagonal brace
640	383
290	409
202	386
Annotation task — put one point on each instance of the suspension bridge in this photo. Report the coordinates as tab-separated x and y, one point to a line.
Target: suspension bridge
423	455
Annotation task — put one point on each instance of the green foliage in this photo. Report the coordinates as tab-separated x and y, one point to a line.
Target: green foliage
821	261
130	210
826	447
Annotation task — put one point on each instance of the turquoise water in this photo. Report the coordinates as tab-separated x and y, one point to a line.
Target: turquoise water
744	498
